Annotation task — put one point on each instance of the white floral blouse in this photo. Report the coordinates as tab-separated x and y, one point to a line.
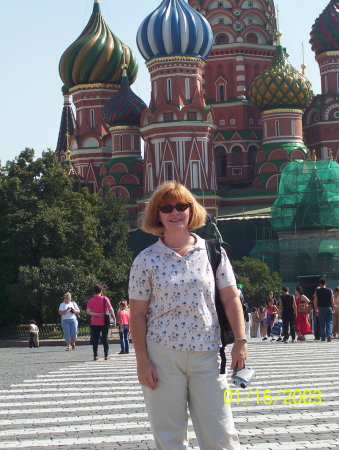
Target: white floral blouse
180	291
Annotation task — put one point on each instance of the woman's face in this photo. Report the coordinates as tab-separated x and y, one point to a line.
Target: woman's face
175	220
67	298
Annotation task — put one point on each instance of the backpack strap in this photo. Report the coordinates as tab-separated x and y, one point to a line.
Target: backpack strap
214	255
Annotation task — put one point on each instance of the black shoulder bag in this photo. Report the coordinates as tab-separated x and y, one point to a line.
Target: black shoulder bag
226	334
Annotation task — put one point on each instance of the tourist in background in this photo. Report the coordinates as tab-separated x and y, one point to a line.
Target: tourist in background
123	318
97	307
262	317
271	313
68	311
255	322
324	307
288	312
33	334
302	324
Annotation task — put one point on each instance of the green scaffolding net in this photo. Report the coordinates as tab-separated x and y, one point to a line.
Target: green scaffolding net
305	215
308	196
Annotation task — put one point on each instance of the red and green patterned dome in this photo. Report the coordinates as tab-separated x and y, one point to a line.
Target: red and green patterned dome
97	55
125	107
325	31
281	85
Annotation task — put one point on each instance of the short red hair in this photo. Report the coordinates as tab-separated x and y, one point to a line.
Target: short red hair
169	192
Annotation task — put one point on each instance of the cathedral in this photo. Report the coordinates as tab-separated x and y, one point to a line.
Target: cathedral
227	111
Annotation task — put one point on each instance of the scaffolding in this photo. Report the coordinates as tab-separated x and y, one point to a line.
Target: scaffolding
305	215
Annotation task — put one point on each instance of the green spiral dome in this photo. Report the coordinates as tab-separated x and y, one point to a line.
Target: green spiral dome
97	56
281	85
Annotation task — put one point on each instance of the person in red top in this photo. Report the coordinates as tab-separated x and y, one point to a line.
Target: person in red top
123	322
97	307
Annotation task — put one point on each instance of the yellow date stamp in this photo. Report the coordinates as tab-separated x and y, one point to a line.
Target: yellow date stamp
269	397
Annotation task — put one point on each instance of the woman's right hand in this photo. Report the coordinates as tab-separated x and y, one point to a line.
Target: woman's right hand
147	375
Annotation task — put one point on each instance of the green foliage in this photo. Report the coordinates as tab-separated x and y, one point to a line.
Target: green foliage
53	240
257	279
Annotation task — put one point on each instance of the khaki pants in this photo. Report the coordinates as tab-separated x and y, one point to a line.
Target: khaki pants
189	379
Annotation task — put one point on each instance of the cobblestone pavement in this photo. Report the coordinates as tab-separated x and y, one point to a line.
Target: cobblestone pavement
50	398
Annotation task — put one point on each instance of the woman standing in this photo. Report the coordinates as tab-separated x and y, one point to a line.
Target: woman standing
255	322
97	307
68	311
175	327
123	317
302	325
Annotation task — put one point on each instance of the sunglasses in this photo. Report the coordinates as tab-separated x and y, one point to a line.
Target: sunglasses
179	207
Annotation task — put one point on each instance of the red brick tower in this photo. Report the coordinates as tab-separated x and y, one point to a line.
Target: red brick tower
178	126
243	47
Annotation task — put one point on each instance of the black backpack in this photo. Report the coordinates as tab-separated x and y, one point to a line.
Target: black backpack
226	334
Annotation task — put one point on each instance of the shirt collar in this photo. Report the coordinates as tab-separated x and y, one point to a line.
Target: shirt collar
162	248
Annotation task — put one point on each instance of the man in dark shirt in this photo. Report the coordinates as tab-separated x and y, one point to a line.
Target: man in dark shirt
287	311
324	308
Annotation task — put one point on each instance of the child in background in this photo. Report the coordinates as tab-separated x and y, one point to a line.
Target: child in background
33	334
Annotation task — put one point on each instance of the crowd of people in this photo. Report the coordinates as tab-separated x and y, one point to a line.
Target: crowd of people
295	316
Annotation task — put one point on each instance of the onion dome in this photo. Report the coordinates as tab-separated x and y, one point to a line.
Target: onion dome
174	29
281	85
325	31
97	55
125	107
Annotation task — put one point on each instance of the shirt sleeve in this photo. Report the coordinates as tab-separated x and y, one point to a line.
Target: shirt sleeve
225	275
62	307
139	279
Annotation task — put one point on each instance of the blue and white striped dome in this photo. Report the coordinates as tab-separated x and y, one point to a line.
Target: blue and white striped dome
174	29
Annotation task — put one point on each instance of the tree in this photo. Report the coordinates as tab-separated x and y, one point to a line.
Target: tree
45	227
257	279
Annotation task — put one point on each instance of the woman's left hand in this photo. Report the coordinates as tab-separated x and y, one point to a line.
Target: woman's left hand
239	354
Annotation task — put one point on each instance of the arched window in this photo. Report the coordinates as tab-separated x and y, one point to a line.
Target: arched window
236	155
252	38
252	157
220	161
277	128
221	93
292	127
155	89
91	118
325	84
222	39
169	89
187	89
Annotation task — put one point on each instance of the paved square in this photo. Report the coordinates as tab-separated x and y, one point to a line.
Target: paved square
52	398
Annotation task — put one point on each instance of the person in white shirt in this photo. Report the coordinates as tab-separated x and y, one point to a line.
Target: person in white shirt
68	311
33	334
175	327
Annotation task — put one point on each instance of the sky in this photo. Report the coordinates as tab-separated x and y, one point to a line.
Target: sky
35	33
